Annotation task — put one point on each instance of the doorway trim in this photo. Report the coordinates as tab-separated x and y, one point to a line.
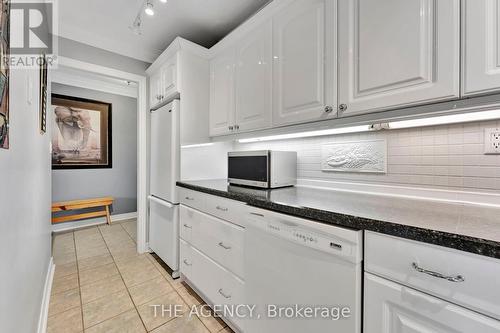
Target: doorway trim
142	114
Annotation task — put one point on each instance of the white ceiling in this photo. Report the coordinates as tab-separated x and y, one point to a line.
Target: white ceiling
105	23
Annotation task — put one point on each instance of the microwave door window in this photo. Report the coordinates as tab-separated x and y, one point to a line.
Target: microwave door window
248	168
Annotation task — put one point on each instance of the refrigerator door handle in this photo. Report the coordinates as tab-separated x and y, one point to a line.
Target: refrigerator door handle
161	202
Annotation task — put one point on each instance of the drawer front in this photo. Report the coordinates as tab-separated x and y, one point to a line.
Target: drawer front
226	209
222	241
186	259
392	308
462	278
189	219
216	283
192	198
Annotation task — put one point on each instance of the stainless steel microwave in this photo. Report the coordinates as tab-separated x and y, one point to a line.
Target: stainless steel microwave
262	168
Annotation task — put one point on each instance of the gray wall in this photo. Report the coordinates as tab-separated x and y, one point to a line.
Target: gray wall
25	240
119	181
83	52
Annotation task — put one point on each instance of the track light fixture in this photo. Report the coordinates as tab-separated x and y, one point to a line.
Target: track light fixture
149	9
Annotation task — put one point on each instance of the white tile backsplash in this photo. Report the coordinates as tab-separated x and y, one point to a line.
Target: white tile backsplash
449	156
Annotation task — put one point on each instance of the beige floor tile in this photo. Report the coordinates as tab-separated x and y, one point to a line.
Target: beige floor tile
150	289
101	288
134	263
98	273
184	324
65	270
86	233
189	296
94	262
125	254
138	275
64	301
162	304
64	247
92	252
64	283
214	324
107	229
121	244
66	322
128	322
62	259
90	243
105	308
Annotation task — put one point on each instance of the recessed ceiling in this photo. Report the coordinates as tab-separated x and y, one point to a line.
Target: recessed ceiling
105	23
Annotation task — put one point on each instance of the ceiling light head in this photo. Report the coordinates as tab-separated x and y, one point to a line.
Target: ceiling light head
149	9
163	1
136	26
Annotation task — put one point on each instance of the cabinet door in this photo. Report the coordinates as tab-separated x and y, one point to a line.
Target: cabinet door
168	74
393	308
481	47
304	62
222	93
396	53
254	80
154	89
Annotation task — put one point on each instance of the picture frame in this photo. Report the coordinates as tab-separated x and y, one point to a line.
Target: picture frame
82	134
43	94
4	73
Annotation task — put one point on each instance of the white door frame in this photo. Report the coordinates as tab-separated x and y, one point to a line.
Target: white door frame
142	112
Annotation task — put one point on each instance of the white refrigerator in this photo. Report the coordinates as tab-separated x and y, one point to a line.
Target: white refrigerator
164	172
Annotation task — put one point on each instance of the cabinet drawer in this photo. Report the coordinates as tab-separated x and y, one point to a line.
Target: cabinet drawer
392	308
186	259
229	210
220	240
192	198
216	283
473	280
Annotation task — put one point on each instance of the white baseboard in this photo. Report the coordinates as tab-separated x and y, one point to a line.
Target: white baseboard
44	309
75	225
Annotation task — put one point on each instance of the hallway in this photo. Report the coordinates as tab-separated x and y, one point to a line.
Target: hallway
101	284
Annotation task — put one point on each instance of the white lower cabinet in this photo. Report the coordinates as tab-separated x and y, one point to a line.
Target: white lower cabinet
211	252
393	308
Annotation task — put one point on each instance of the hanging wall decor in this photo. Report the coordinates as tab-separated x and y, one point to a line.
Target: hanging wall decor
43	94
81	135
4	73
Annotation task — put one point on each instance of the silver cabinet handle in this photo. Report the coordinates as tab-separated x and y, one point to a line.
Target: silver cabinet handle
257	214
223	294
187	226
342	107
236	127
230	128
187	262
458	278
328	109
221	208
221	244
189	198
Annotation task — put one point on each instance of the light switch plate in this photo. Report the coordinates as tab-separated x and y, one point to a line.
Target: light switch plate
492	141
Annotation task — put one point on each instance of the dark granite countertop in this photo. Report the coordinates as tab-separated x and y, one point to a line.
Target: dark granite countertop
470	228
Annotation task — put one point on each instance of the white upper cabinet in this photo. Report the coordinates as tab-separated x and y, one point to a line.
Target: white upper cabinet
222	93
396	53
163	83
253	100
481	47
304	64
168	74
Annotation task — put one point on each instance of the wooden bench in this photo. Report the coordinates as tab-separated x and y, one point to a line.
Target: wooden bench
82	204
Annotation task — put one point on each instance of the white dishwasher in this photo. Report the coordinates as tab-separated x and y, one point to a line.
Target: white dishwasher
303	276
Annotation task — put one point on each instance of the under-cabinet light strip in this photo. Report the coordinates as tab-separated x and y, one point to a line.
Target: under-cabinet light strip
198	145
431	121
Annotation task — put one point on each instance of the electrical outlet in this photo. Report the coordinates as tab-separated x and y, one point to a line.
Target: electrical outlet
492	141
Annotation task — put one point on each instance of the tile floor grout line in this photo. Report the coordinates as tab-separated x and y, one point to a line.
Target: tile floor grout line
79	285
126	287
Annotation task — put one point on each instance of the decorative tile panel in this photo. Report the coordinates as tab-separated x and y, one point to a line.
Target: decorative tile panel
355	156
